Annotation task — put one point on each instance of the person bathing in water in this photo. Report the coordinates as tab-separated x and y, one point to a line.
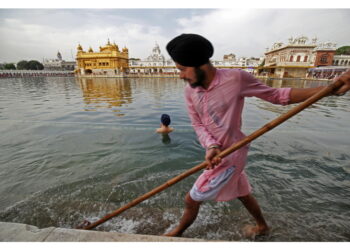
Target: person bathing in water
164	125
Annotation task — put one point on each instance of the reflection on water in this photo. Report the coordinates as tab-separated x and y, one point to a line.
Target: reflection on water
166	139
294	83
323	105
105	93
74	149
140	95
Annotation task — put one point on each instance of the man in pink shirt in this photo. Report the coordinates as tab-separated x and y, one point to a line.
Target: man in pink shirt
215	99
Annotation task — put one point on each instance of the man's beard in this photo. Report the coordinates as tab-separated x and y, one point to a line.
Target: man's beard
200	76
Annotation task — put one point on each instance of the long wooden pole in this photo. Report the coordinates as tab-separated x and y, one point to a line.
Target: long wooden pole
267	127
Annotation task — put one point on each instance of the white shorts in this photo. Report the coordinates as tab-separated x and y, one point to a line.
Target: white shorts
213	187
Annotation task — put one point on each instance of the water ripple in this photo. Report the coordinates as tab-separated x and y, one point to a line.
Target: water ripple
77	149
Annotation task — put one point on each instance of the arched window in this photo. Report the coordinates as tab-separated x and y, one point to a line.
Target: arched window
324	58
291	58
305	58
298	58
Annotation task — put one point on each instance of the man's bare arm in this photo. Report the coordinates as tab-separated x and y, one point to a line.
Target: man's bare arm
300	95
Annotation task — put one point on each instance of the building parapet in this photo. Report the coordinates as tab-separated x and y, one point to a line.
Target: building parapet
294	64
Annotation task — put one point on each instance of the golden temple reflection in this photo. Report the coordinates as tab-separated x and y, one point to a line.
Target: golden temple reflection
106	93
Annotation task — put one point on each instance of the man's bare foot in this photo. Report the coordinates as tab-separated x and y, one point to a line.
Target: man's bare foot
251	231
173	233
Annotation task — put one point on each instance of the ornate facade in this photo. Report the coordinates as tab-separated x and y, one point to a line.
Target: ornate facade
324	54
108	61
290	60
341	60
58	64
155	63
300	58
340	64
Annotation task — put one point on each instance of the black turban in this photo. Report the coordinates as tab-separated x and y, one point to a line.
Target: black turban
190	50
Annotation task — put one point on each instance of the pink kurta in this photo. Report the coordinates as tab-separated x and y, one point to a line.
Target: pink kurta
216	113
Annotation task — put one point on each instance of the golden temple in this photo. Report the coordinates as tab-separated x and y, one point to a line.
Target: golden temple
108	61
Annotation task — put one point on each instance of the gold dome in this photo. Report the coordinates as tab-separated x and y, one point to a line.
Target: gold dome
107	47
115	46
79	47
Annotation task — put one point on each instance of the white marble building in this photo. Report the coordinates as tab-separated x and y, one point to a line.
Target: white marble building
341	60
155	63
245	63
297	52
290	60
58	63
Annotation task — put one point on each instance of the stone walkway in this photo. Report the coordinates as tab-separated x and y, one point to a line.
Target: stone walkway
16	232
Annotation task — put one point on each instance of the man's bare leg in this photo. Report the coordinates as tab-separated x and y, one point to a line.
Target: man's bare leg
252	206
189	216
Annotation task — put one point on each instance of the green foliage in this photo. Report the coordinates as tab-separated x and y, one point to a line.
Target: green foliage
22	64
345	50
30	65
35	65
9	66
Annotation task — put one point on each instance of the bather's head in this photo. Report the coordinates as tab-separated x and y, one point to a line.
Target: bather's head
165	119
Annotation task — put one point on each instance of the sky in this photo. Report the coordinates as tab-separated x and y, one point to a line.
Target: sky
40	31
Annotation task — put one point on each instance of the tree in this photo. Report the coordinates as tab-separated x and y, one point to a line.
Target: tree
9	66
31	65
345	50
35	65
22	64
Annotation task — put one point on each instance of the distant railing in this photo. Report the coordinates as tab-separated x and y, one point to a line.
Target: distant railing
33	73
130	75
